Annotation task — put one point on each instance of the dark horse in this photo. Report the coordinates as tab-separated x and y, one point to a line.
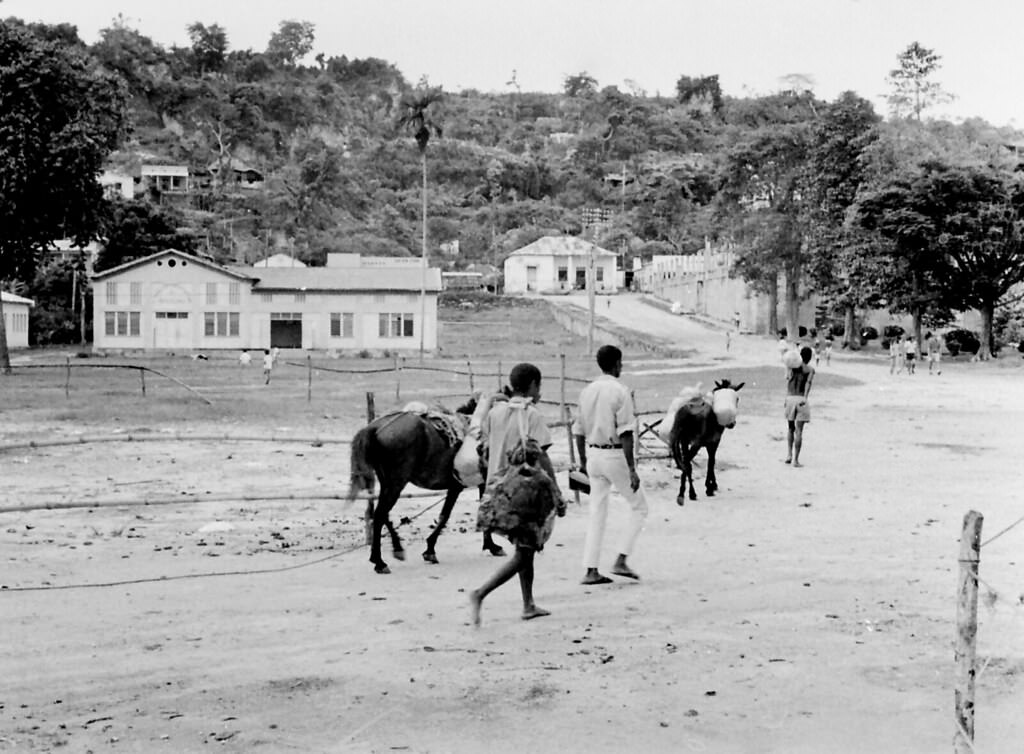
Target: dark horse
401	448
700	423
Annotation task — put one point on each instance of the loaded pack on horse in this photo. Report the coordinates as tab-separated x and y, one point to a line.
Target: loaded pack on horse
696	421
417	446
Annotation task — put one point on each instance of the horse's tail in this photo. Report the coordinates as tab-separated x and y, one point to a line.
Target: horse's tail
360	471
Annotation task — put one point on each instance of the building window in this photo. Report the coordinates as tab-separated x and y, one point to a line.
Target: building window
122	324
300	298
211	294
135	294
563	274
379	298
286	316
600	274
266	298
342	325
111	294
233	294
395	325
171	315
220	324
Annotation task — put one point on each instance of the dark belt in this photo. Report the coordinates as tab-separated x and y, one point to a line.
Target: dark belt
607	446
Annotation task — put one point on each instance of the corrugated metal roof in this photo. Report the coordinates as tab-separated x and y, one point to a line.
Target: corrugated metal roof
341	279
11	298
233	272
561	246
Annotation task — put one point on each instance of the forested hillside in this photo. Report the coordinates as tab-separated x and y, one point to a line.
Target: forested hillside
825	196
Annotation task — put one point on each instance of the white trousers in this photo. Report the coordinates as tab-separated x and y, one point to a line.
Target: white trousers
607	467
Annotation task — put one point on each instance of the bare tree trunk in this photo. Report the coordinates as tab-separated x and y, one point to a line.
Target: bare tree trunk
773	306
5	356
850	334
792	305
987	312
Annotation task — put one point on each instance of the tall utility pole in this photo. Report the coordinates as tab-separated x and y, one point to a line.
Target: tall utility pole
591	282
423	255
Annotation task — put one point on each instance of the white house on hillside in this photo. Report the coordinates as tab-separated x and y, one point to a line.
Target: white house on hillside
176	301
558	264
16	319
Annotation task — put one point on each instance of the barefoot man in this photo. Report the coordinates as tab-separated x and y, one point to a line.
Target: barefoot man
798	411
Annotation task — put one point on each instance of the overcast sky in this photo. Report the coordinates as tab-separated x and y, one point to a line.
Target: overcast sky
750	44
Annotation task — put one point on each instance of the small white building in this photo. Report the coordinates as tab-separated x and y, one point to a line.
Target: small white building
168	179
117	185
558	264
16	310
179	302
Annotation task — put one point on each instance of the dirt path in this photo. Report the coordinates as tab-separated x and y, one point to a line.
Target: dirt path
801	610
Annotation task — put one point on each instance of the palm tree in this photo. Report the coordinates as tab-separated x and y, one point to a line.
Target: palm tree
414	116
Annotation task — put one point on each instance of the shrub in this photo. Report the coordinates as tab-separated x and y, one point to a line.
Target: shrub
962	340
868	333
884	344
802	331
893	331
838	329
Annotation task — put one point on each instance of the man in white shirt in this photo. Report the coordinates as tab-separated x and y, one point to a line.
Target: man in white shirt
604	433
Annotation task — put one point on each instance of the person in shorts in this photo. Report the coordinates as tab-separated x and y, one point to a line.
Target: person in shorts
933	348
797	409
911	349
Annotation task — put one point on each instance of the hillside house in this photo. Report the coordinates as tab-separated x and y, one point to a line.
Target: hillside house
558	264
172	301
167	179
16	310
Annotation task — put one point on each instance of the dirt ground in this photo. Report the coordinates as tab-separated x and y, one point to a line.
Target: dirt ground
800	610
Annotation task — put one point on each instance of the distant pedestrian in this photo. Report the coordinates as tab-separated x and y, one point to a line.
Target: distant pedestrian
817	350
245	359
797	409
604	429
268	366
911	352
934	350
828	349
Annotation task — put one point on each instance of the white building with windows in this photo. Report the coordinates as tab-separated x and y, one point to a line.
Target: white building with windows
558	264
172	301
16	310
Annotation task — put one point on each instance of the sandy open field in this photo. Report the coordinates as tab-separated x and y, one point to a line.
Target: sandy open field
800	610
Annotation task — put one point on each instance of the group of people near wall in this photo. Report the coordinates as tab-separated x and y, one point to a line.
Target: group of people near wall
903	354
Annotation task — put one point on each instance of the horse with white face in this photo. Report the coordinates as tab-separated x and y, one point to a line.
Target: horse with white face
699	422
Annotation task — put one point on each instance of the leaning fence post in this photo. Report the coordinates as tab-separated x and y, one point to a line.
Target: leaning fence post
565	420
309	378
469	365
967	632
67	378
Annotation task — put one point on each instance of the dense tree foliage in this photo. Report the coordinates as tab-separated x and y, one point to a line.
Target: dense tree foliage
60	117
804	190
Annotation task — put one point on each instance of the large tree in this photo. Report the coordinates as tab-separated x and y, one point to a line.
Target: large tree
765	193
914	88
60	117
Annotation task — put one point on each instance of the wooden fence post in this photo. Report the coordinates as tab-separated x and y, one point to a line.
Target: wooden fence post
309	378
142	379
398	380
67	378
967	632
469	364
370	409
499	376
566	416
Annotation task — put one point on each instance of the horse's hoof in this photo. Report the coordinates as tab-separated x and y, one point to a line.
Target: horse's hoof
693	496
430	557
382	568
399	554
709	493
680	501
497	551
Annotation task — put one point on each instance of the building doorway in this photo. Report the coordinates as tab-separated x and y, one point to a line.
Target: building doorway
286	330
531	278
